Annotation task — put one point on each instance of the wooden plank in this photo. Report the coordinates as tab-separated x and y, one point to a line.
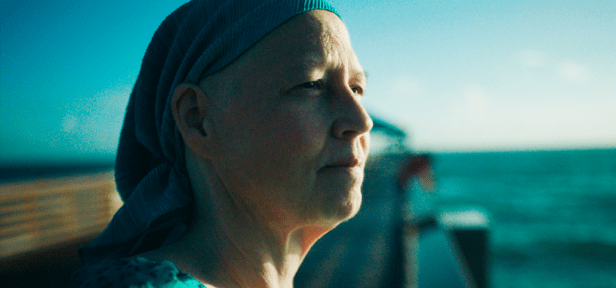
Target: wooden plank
15	245
59	234
10	205
16	218
58	185
13	231
49	203
93	229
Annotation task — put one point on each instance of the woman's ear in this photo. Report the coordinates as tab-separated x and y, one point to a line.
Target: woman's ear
189	112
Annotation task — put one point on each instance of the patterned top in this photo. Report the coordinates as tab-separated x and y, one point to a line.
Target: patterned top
133	272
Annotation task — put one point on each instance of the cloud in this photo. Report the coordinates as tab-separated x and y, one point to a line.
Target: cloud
574	72
94	122
69	122
532	58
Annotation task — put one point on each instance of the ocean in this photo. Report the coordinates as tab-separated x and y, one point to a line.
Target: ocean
552	213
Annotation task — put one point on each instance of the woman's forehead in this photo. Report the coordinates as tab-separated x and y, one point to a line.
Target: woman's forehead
314	30
307	40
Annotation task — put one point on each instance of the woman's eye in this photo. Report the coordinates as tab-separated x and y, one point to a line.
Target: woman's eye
357	90
311	85
308	89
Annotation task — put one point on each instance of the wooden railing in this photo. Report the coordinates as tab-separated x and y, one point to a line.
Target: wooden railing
48	212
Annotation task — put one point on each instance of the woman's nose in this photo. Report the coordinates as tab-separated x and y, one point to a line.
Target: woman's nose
352	120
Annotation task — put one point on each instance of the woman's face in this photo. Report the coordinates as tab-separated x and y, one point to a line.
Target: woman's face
290	134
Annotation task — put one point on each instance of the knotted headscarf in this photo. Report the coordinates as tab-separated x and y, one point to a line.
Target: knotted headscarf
196	40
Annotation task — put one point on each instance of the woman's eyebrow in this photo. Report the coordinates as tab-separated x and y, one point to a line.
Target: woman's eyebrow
361	75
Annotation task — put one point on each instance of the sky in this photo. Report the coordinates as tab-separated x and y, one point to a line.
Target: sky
456	75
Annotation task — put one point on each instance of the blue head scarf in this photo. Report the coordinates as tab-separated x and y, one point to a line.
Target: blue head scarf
196	40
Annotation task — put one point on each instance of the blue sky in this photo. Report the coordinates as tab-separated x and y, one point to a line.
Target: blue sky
457	75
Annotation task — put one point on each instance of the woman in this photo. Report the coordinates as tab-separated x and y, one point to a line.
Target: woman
244	142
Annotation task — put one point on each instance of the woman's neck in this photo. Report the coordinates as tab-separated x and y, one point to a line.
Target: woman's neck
234	254
230	245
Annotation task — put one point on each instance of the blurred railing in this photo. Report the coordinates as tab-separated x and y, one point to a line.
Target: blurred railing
47	212
449	250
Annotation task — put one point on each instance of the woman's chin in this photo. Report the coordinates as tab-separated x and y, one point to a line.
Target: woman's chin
340	206
350	209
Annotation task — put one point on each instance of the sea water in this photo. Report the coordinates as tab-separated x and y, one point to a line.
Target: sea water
552	213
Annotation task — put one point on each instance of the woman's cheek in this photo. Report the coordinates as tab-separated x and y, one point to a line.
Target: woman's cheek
310	130
300	123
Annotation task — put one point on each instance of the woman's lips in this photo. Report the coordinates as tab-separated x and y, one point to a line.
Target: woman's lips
349	164
341	169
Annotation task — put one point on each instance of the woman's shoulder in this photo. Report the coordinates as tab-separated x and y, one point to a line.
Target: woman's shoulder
134	272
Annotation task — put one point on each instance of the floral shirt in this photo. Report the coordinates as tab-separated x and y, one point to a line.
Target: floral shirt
133	272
